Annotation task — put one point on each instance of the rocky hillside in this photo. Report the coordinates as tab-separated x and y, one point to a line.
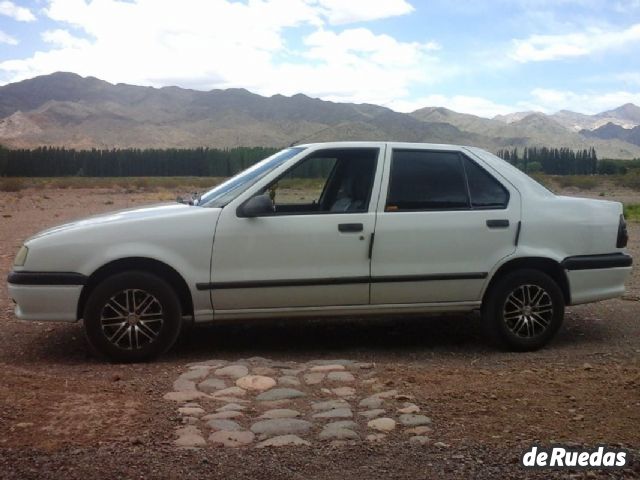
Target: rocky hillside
64	109
611	131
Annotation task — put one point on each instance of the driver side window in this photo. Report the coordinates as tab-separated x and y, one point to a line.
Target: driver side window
328	181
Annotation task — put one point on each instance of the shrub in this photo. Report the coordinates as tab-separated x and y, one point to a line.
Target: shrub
132	184
632	212
583	182
534	167
630	180
543	179
10	184
141	183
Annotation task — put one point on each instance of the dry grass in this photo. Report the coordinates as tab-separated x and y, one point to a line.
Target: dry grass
10	184
583	182
543	179
133	184
14	184
630	180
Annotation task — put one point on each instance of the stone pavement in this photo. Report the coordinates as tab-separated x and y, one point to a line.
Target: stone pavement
257	402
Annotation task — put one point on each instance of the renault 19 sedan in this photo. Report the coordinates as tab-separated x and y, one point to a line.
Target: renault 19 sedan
348	228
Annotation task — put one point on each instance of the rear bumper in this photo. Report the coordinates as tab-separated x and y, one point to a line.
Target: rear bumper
46	296
598	262
597	277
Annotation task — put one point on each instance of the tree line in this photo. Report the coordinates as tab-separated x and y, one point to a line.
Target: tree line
214	162
554	161
171	162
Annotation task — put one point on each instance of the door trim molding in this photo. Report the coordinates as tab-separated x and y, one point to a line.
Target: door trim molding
430	278
307	282
312	282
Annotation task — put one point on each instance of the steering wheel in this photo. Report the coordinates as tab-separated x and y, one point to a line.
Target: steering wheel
273	190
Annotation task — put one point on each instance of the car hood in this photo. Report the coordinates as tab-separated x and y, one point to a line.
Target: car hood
120	216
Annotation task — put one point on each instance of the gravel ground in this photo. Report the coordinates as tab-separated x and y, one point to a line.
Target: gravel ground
66	414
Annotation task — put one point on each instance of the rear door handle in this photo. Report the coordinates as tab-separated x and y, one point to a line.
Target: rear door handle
350	227
497	223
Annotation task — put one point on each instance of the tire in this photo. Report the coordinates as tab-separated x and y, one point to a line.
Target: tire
132	317
523	310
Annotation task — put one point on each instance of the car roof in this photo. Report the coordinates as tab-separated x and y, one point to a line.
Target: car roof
351	144
510	173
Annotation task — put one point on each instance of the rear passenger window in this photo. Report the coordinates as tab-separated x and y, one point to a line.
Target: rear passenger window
486	191
422	180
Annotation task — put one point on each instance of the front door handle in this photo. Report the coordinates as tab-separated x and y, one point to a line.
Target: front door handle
498	223
350	227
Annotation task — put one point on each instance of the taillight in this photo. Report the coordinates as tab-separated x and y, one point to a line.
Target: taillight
623	235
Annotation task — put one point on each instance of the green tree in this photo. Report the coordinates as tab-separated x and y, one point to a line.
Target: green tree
4	160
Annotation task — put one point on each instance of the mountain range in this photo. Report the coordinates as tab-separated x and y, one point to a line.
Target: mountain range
626	116
64	109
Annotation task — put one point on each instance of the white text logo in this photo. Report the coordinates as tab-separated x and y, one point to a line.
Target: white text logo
564	457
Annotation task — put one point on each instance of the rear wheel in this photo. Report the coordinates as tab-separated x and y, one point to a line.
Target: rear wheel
132	317
523	310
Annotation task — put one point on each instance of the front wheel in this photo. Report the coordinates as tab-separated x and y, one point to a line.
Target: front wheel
523	310
132	317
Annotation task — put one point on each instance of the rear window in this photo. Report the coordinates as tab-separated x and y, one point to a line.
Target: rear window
437	180
484	190
422	180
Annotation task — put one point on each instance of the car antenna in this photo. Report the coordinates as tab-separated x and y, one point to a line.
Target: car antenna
293	144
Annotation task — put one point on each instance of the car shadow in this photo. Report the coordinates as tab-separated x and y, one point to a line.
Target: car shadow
331	336
400	338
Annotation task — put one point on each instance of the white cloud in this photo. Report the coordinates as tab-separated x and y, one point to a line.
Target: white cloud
354	65
219	44
10	9
63	38
350	11
354	45
7	39
350	73
482	107
630	78
549	100
625	6
539	48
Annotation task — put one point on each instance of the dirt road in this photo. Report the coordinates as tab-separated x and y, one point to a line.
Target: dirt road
65	414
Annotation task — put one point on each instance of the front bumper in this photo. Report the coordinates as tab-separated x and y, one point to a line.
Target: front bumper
46	296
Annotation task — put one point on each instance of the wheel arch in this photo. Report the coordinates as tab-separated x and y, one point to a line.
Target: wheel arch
544	264
150	265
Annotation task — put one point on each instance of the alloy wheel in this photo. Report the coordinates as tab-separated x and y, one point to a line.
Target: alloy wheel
528	311
132	319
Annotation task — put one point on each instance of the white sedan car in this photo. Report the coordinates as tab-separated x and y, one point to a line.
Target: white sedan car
347	228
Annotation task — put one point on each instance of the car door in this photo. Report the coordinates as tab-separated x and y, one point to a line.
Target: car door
444	221
313	249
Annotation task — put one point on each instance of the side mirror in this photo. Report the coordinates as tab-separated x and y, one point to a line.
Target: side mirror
256	206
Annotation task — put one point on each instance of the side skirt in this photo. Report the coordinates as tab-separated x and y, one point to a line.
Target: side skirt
348	310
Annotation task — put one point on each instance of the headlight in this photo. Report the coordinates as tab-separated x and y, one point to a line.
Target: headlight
21	257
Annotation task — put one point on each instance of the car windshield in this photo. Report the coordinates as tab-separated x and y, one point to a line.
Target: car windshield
227	191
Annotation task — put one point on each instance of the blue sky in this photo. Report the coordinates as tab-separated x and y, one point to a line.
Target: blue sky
484	57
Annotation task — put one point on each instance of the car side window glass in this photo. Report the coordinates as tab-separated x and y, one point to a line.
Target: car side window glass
485	190
427	180
304	183
328	181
